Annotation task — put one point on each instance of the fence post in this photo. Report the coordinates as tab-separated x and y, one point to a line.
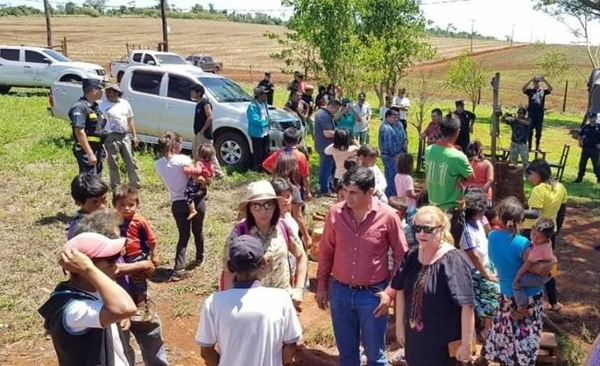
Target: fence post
479	96
251	73
64	47
565	97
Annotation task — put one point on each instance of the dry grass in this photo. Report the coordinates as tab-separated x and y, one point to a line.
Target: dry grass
238	45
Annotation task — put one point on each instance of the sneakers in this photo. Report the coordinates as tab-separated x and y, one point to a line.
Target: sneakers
179	275
143	312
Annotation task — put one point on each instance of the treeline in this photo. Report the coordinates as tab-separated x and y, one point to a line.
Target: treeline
96	9
451	32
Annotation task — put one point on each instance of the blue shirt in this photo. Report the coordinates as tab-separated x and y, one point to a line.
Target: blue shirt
392	139
258	119
323	122
506	252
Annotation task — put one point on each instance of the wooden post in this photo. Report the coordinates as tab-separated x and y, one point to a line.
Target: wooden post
163	16
47	11
64	47
565	97
496	109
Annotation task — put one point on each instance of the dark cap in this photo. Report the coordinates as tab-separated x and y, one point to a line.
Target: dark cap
259	90
246	253
362	96
592	115
346	101
91	83
267	72
459	102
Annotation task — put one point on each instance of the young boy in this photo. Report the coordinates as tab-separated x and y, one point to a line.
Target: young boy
534	272
406	215
518	141
367	155
89	192
83	312
141	242
291	139
589	141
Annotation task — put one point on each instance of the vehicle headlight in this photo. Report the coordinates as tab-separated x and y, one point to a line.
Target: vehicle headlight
90	71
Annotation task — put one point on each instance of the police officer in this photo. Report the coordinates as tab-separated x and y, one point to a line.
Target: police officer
86	121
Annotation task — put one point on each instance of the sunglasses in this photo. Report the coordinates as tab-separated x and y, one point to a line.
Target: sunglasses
267	206
424	228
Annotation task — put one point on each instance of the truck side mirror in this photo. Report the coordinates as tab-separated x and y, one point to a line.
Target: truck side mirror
151	62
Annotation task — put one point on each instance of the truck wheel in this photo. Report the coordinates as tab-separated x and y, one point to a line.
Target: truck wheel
233	150
216	70
71	78
120	76
4	89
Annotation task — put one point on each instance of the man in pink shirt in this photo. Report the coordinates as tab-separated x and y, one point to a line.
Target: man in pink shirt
353	272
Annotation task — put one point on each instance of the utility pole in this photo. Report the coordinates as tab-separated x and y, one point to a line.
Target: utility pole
47	10
512	35
165	29
472	32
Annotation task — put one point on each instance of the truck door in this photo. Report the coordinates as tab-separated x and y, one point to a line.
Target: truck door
11	67
35	68
143	93
177	109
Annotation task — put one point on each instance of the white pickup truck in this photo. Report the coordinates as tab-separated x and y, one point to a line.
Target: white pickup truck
36	67
153	58
160	99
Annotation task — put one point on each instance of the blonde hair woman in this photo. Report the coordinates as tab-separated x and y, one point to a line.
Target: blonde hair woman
434	302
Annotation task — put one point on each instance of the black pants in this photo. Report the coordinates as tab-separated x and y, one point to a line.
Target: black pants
457	225
261	147
589	154
551	290
537	121
82	159
405	124
180	212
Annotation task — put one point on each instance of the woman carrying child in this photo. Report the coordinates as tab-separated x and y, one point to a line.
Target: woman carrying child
197	182
342	148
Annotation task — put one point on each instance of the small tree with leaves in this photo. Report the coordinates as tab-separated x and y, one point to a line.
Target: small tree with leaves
423	92
466	76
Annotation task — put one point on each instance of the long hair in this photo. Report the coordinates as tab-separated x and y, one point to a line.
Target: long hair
287	167
341	139
440	218
511	213
404	164
168	141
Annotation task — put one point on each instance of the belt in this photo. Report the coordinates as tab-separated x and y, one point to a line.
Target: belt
362	287
94	138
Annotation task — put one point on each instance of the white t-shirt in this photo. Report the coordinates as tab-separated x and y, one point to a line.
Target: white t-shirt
402	102
364	112
291	222
249	326
380	183
171	172
405	183
340	157
116	115
81	315
474	238
382	111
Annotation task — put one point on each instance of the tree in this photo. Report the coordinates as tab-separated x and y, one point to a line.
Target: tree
98	5
466	75
423	93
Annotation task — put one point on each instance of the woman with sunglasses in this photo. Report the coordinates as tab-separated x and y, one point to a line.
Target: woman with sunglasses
287	262
434	302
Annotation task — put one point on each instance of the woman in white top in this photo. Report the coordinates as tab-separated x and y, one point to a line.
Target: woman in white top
174	168
475	244
342	148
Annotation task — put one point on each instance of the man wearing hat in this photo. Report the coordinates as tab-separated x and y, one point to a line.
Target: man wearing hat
268	86
249	324
118	115
589	141
467	120
86	122
536	100
361	128
258	127
83	313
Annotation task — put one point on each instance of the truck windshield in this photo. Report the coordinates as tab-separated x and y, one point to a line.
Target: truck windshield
55	55
170	59
225	90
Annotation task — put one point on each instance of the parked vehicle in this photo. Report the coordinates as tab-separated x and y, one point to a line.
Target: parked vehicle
206	63
153	58
160	99
36	67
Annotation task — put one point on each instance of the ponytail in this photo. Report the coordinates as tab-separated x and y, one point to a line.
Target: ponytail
167	142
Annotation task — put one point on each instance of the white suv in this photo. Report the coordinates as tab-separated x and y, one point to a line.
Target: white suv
36	67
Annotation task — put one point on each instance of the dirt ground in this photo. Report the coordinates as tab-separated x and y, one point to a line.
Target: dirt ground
578	290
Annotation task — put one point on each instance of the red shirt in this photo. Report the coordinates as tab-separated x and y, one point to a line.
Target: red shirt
356	254
271	161
139	234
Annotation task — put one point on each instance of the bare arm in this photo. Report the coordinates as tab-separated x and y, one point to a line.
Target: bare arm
289	352
329	133
527	85
548	85
209	118
523	121
131	268
400	333
524	269
490	176
82	139
131	126
467	325
480	267
299	217
210	356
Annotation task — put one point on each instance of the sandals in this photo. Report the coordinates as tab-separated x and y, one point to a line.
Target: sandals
556	307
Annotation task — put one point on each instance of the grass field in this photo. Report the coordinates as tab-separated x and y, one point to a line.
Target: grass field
238	45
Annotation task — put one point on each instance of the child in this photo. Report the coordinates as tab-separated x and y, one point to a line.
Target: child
89	192
206	153
540	253
367	156
141	241
432	133
405	186
342	148
518	141
83	313
589	141
406	214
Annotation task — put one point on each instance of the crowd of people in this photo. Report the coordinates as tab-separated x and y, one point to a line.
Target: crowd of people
442	263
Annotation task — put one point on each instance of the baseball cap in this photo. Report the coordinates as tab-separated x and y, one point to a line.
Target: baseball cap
245	254
346	101
592	114
459	102
91	83
362	96
95	245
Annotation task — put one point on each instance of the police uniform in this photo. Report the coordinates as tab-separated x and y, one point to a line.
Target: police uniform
590	139
87	116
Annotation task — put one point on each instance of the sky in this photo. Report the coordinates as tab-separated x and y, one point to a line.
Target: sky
491	17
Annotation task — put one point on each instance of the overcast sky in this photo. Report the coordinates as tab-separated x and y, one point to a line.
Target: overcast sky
492	17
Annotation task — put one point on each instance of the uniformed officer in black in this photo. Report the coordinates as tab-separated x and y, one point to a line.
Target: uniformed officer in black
86	122
268	86
589	141
467	120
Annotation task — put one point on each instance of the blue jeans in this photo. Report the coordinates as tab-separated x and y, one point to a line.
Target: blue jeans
326	166
528	280
353	321
148	337
389	170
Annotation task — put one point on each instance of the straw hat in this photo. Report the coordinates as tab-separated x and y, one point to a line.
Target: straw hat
258	191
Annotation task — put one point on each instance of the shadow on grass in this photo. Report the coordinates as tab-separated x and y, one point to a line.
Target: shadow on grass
60	217
60	142
315	357
28	94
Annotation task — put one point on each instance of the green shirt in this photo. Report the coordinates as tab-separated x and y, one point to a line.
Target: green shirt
445	168
346	122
